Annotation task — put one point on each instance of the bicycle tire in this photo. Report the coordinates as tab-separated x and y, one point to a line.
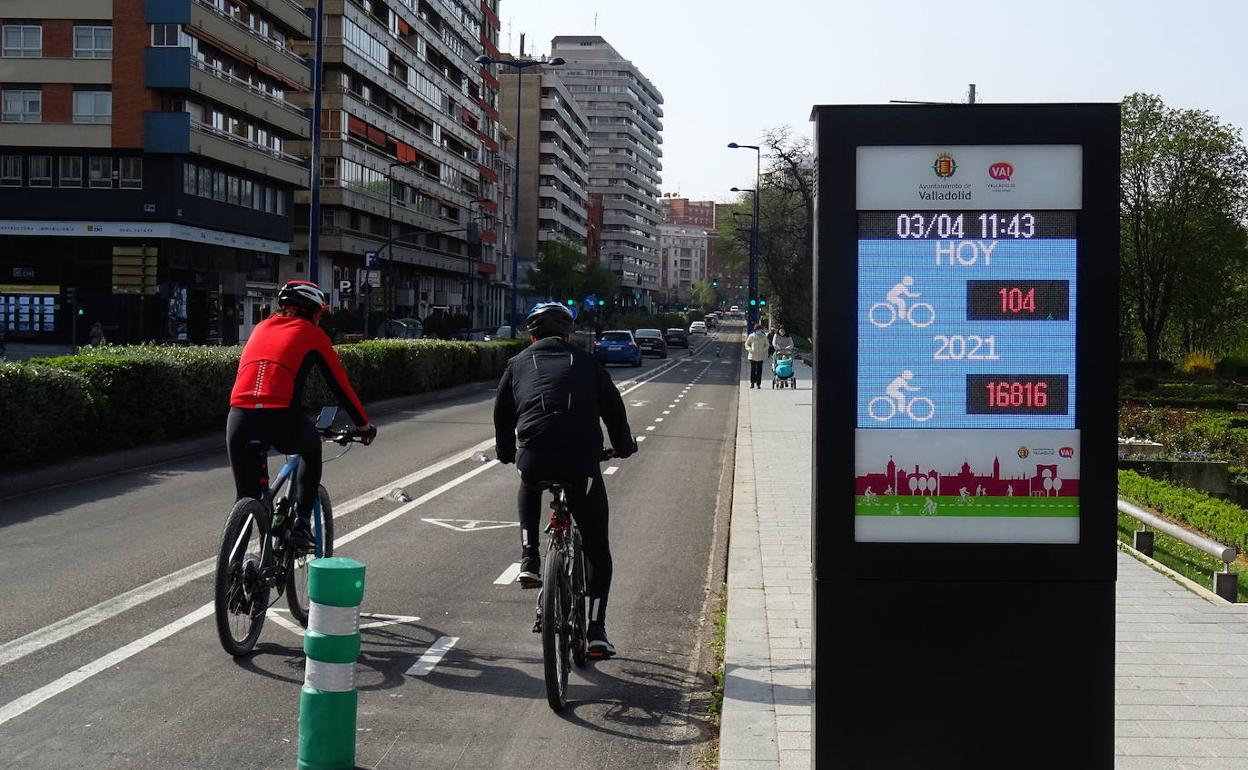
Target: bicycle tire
231	558
297	582
555	630
580	639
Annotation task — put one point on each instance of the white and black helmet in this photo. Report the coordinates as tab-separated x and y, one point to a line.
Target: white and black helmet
303	294
550	319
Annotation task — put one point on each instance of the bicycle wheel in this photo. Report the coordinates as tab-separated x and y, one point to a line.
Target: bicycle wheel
297	575
580	641
241	595
555	646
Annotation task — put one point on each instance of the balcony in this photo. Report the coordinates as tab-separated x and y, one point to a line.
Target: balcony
175	68
176	133
287	12
264	50
57	135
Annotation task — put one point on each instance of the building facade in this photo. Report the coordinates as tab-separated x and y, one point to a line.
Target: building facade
554	159
409	146
683	252
625	136
146	165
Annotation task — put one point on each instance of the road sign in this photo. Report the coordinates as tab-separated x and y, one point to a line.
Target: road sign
370	259
964	439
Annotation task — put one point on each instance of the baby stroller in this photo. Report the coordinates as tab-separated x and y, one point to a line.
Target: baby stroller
782	374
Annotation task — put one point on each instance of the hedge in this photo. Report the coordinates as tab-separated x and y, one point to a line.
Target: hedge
119	397
1220	520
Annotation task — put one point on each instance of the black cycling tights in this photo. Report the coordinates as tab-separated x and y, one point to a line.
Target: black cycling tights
286	430
589	508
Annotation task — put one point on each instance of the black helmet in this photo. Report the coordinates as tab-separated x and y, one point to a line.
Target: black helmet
550	319
304	294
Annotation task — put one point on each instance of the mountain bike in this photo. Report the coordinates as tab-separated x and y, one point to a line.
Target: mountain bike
256	556
563	602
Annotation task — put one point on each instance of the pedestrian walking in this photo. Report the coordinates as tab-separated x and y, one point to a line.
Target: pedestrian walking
96	335
756	349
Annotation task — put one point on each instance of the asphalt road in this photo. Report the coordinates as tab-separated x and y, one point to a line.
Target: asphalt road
109	658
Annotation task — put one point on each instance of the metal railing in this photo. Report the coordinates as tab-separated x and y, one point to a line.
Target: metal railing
277	45
222	75
243	141
1225	583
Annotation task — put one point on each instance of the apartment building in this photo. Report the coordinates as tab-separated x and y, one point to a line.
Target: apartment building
409	149
625	136
683	251
156	135
554	159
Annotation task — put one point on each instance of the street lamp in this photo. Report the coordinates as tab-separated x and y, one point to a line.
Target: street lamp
519	65
758	172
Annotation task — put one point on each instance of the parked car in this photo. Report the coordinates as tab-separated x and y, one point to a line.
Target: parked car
734	309
618	347
651	341
401	329
676	338
697	327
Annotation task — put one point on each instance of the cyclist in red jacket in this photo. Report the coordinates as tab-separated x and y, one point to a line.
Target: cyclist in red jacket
266	403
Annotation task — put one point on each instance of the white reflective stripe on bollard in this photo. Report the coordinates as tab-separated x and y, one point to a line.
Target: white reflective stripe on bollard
333	621
330	677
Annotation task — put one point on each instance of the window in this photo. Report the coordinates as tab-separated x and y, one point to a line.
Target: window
188	179
24	106
233	191
257	197
268	198
244	195
93	42
23	40
218	186
280	196
132	173
10	170
93	106
40	170
205	182
99	171
168	36
71	171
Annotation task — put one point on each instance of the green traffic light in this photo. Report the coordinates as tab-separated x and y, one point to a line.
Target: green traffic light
601	302
571	302
753	302
80	312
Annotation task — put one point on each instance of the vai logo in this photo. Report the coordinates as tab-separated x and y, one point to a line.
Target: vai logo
945	165
1023	452
1002	171
1066	451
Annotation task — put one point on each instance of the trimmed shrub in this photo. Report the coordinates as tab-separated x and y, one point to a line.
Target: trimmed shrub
118	397
1220	520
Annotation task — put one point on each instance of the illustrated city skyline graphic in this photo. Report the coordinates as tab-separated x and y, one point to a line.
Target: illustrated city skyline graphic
950	485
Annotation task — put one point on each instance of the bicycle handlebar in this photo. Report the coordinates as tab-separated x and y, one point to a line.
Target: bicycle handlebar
346	436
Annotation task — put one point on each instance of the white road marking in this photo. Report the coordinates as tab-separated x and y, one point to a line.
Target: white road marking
471	525
658	419
509	575
649	427
640	439
111	608
30	700
432	656
667	411
611	471
278	616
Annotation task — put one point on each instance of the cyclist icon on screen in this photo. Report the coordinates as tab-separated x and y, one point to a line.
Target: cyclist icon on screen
884	314
884	408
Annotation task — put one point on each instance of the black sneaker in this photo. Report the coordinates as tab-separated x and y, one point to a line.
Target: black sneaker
600	648
530	571
301	538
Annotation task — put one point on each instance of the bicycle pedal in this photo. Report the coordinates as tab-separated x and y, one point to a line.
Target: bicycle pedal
537	626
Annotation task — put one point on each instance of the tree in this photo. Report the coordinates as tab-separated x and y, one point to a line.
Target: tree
596	279
704	295
556	272
1184	198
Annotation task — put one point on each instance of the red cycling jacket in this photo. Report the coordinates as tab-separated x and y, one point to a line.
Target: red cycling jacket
276	361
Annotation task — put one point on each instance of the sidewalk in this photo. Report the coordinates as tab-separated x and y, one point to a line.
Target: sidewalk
1181	661
767	707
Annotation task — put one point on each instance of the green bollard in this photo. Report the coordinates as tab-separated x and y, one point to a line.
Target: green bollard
327	704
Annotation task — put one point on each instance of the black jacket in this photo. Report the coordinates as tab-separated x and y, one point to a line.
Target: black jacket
550	401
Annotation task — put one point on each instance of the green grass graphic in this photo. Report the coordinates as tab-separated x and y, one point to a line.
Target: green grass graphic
1014	507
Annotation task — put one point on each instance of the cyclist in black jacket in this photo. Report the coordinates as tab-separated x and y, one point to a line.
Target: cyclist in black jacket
546	420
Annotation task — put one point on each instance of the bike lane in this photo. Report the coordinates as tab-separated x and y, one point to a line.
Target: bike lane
183	703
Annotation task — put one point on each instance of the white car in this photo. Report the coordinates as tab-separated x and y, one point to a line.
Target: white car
697	327
734	309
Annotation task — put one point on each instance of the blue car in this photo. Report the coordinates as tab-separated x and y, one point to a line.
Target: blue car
617	347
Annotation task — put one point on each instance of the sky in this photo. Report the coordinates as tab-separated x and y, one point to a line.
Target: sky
729	70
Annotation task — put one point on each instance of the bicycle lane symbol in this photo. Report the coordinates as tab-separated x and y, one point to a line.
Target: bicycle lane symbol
885	408
896	307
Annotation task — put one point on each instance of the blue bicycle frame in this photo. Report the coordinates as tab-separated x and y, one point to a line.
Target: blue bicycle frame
287	474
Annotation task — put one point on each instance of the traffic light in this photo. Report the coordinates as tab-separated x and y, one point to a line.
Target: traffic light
571	302
602	302
762	302
715	282
753	302
81	311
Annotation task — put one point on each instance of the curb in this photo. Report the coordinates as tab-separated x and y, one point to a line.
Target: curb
97	466
1177	577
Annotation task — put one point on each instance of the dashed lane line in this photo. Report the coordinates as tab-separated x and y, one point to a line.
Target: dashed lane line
424	666
509	575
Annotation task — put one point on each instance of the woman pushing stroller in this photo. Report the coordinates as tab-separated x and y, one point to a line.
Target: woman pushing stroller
782	375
